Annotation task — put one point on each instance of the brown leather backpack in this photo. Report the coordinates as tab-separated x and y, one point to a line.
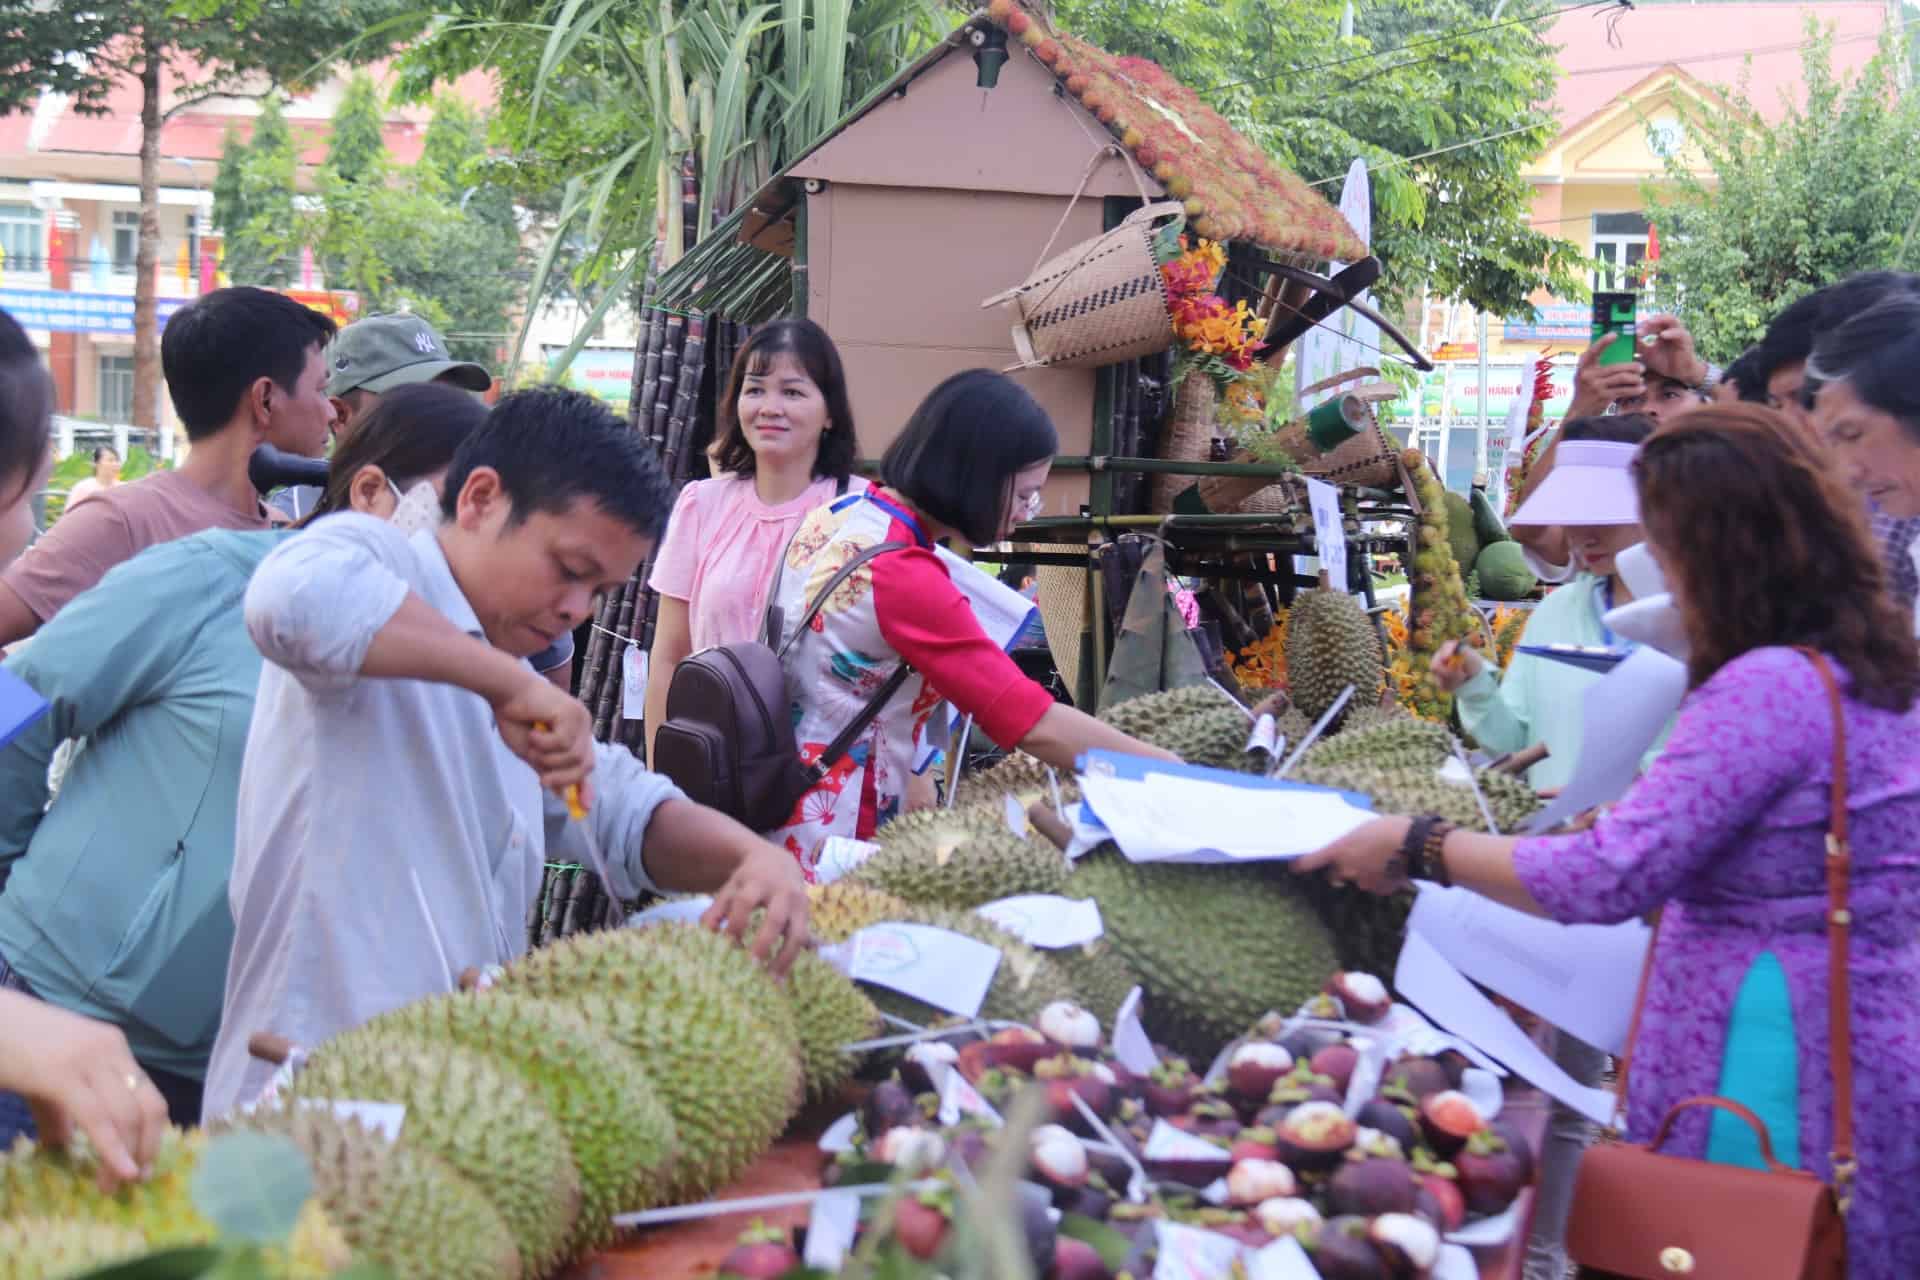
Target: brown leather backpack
728	738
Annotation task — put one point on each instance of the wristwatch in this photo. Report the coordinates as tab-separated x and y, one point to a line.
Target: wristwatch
1712	378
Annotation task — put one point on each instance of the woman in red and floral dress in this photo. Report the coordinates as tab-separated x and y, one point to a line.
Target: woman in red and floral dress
967	468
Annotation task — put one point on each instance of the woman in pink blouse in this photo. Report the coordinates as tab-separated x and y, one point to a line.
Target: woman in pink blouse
784	445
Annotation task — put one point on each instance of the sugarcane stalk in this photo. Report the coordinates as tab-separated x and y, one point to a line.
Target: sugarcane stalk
686	392
669	377
599	643
537	913
578	892
690	228
557	900
610	690
649	388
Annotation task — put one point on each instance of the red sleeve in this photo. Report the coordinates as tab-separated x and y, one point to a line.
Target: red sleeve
930	624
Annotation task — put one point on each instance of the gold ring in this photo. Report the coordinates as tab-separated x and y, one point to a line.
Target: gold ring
133	1081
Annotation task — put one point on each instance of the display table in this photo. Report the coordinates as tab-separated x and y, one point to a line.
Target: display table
696	1248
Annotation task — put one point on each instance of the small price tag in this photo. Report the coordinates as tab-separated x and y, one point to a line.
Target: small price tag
1046	920
958	1098
1191	1253
1016	814
1329	533
1130	1043
840	855
839	1134
383	1118
1264	736
1164	1142
830	1230
1284	1259
945	969
1367	1070
633	683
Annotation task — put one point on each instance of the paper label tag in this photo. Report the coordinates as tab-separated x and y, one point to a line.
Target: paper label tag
1264	736
633	683
680	911
1496	1230
383	1118
1367	1071
839	1134
1190	1253
1329	533
958	1098
947	970
840	855
1284	1259
1165	1142
1046	920
1016	814
1130	1043
1455	1264
830	1230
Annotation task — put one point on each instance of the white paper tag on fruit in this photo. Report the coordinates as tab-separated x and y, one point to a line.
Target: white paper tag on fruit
1016	814
840	856
1496	1230
839	1134
1367	1070
959	1099
1191	1253
1264	737
679	911
633	684
1329	533
1046	920
1455	1264
1164	1142
1130	1043
383	1118
1284	1259
947	970
1484	1088
830	1230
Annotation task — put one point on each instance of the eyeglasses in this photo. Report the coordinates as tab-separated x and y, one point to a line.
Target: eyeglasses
1030	506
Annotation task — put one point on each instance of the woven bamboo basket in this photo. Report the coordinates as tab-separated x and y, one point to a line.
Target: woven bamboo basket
1369	458
1188	437
1250	495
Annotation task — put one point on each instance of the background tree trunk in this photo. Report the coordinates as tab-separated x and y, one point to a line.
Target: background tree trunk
146	315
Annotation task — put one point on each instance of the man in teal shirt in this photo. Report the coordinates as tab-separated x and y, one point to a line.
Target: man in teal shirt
113	902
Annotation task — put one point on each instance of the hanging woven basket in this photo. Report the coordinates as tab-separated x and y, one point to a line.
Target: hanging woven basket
1188	437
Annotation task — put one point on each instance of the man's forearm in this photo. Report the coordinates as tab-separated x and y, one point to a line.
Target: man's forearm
690	848
17	620
419	643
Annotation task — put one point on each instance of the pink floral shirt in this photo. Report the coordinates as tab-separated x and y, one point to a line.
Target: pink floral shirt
721	548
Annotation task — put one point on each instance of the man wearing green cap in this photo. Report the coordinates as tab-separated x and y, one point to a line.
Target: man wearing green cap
368	358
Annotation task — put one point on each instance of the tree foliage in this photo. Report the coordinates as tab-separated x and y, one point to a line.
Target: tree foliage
357	144
253	200
1793	204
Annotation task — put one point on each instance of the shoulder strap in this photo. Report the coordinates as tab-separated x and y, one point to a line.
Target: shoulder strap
820	598
1839	934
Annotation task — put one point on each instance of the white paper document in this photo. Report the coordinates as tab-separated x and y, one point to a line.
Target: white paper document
1015	814
1329	532
841	856
945	969
998	608
1580	977
830	1229
1172	816
1130	1043
1425	977
1046	920
1284	1259
1164	1142
958	1099
1624	711
1193	1253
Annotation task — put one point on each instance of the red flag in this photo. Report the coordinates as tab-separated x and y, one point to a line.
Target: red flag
1653	243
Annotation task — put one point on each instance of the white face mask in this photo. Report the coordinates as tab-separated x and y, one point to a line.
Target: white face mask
419	508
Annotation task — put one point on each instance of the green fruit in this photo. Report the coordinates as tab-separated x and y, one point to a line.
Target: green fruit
1421	789
397	1203
1151	713
1383	743
1098	975
1504	572
1487	525
1198	723
724	1060
1018	775
50	1248
479	1117
1215	946
1460	535
618	1129
1331	643
958	865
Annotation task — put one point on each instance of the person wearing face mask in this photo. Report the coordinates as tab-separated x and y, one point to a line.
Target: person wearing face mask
968	466
113	899
1866	410
784	445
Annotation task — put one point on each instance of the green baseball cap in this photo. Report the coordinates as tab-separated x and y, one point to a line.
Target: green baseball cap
379	353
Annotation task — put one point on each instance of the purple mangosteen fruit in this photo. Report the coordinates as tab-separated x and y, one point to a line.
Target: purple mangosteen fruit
925	1062
1408	1243
890	1104
1368	1187
1389	1119
1337	1062
1342	1251
1076	1260
1417	1077
1447	1120
1254	1067
763	1253
1314	1136
1250	1182
1169	1088
1440	1199
1492	1172
1364	997
1018	1049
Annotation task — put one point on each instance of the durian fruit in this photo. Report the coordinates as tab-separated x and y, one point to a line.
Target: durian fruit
49	1248
1383	744
1331	643
620	1132
1198	723
1098	975
397	1203
1360	719
1147	715
1368	928
1215	946
1019	775
478	1116
39	1182
959	865
831	1011
1421	789
983	818
724	1059
1026	981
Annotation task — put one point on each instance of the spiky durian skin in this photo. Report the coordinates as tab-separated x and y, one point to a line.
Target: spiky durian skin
397	1204
1215	946
1388	743
620	1132
725	1061
1026	981
1198	723
958	866
1019	774
478	1116
1142	717
1331	643
51	1248
831	1010
1099	975
1421	789
39	1182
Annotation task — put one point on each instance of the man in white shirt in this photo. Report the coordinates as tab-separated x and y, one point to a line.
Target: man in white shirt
401	788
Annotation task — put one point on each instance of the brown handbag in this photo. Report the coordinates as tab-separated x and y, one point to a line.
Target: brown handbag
1641	1215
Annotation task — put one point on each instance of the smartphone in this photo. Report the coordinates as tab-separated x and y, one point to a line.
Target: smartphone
1616	313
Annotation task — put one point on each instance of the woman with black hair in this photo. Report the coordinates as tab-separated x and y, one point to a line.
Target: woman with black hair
26	448
783	446
968	467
